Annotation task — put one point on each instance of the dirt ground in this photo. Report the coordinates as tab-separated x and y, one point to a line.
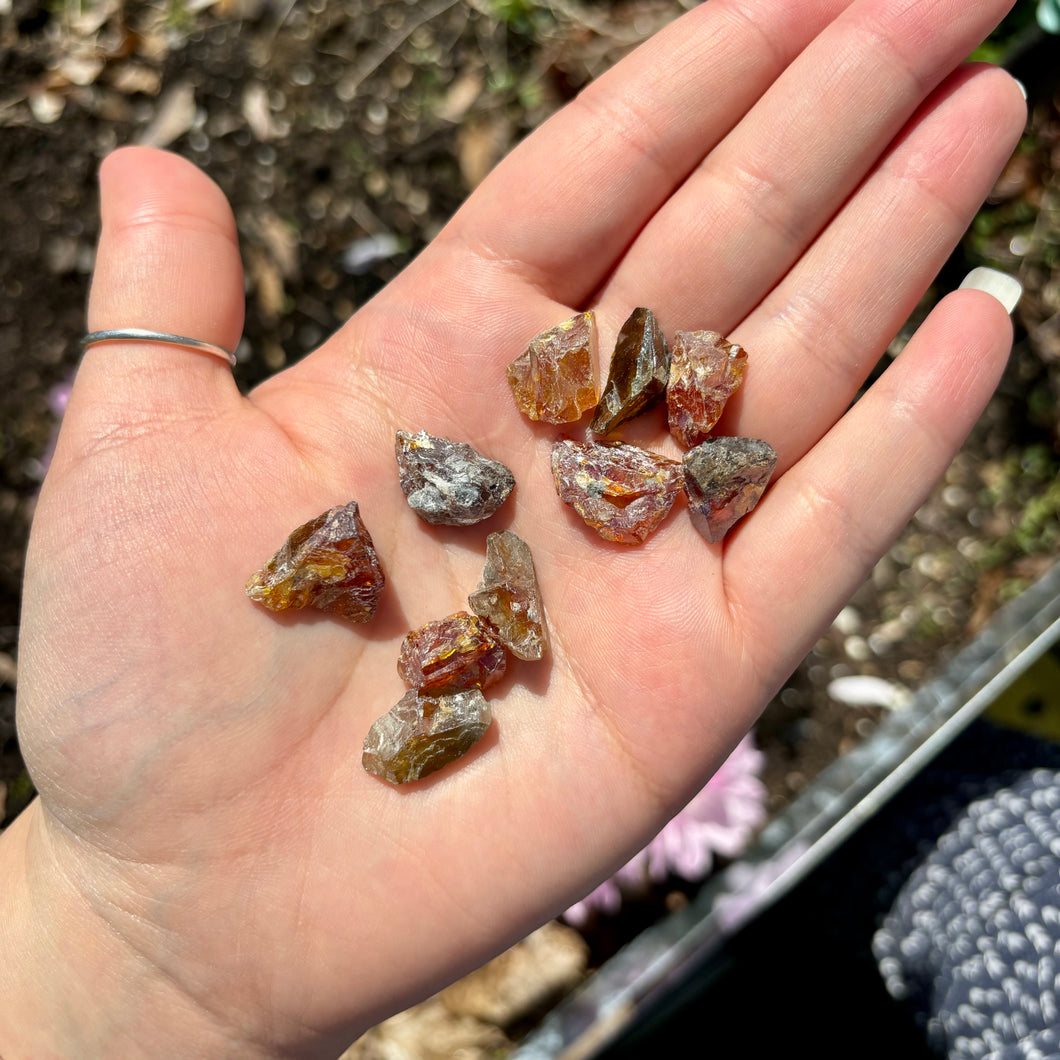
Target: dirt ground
345	132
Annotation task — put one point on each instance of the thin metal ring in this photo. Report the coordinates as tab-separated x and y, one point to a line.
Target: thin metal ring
144	335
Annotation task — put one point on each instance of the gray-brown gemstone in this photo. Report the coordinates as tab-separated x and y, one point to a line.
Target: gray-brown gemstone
622	491
724	478
508	597
640	369
421	734
449	483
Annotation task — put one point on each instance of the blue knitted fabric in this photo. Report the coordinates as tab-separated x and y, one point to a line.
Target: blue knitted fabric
972	941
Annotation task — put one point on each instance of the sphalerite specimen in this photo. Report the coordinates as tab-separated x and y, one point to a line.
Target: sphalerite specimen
328	563
705	371
622	491
508	597
421	734
449	483
555	379
460	651
724	478
640	369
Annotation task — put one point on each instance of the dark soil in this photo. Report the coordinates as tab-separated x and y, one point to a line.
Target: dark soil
345	133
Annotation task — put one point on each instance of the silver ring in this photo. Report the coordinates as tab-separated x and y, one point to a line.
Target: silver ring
144	335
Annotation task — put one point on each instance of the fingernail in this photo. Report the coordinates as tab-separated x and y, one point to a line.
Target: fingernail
1006	289
1020	85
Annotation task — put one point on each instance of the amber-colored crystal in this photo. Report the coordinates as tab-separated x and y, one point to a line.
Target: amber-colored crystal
449	483
328	563
555	379
421	734
622	491
460	651
508	597
724	478
705	371
640	368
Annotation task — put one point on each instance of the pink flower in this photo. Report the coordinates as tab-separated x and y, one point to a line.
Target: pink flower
58	398
719	820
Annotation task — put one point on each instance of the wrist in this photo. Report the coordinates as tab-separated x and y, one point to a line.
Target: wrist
70	986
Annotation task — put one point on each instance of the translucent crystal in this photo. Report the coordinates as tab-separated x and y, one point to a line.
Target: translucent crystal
449	483
705	371
555	379
328	563
622	491
724	478
421	734
508	597
640	368
460	651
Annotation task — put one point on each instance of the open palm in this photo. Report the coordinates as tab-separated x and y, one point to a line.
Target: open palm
791	174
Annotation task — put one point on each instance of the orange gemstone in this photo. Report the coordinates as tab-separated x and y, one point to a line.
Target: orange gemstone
555	379
508	597
460	651
328	563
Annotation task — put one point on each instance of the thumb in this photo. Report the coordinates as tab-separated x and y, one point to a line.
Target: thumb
168	261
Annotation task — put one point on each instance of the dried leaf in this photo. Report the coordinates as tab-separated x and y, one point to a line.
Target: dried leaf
281	239
267	284
257	111
130	78
480	145
461	95
174	117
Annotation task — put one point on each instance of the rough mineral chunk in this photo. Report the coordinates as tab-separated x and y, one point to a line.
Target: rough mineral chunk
328	563
421	734
457	652
508	597
555	379
640	368
449	483
622	491
724	479
705	371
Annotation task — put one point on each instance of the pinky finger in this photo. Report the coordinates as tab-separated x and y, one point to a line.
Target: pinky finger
821	527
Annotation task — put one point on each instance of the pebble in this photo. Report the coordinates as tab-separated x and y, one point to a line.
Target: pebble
857	648
848	621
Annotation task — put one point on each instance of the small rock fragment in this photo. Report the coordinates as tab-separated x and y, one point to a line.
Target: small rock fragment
724	479
705	371
328	563
865	690
449	483
622	491
640	368
452	653
508	598
555	379
421	734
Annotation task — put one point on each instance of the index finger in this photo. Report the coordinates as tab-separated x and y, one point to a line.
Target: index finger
589	179
562	209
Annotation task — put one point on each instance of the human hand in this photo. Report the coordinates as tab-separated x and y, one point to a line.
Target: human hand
208	870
